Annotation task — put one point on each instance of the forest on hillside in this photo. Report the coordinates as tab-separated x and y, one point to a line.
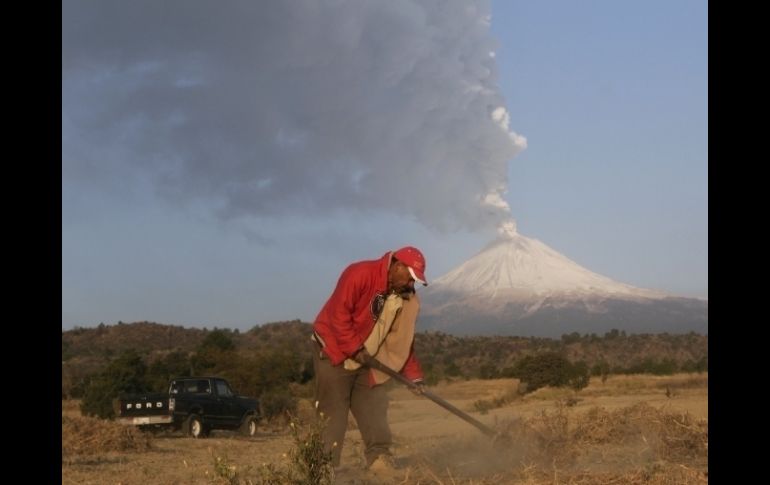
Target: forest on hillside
273	361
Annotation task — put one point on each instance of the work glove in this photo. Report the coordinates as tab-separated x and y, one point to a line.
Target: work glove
418	388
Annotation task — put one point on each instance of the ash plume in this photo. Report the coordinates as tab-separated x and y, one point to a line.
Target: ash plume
306	106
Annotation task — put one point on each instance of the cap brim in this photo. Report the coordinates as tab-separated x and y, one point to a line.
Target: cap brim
416	277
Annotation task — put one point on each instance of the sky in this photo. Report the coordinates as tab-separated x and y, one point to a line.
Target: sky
223	162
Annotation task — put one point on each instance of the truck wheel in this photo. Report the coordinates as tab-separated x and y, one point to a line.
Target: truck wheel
194	427
249	427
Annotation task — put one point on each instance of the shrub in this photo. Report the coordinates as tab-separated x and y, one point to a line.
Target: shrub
277	402
550	369
217	339
579	375
126	374
172	365
488	371
310	464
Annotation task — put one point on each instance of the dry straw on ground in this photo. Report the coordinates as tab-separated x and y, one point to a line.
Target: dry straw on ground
609	437
635	444
83	435
672	436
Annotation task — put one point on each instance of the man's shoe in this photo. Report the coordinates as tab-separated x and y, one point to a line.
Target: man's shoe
383	465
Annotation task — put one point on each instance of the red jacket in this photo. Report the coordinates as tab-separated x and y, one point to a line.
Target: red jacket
346	320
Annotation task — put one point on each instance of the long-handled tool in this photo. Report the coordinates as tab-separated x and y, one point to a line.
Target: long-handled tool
376	364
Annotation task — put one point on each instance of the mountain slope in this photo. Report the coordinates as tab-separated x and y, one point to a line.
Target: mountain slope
520	286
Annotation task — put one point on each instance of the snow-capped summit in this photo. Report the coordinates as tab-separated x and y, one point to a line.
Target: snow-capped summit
518	265
519	286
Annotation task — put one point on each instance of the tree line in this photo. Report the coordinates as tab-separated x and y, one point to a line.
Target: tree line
273	362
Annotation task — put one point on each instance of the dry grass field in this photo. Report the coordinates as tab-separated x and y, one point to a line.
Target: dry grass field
626	430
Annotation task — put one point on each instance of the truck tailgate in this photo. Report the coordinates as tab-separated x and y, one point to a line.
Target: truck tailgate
143	408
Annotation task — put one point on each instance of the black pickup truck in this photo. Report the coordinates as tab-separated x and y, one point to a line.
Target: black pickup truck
196	405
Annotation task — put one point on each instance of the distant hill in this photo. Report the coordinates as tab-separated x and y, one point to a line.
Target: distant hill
86	350
108	340
153	338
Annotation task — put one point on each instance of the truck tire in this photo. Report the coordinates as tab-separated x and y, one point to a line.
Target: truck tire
249	426
194	427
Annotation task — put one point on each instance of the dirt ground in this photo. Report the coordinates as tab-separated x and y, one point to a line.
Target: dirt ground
629	429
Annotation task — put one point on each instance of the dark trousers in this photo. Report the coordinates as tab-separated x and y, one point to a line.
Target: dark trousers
339	391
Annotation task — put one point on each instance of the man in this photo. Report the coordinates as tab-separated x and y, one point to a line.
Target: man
372	312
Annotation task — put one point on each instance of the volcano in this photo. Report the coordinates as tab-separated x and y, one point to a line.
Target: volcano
519	286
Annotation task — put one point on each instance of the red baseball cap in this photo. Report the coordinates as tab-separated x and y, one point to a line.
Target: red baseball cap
415	261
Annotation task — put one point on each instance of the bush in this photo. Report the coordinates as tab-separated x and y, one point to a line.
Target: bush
126	374
452	370
309	463
489	371
277	402
550	369
219	340
172	365
579	375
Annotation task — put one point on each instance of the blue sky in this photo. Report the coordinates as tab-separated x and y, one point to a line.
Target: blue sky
612	97
224	167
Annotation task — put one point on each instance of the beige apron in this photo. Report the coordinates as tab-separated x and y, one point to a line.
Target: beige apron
391	339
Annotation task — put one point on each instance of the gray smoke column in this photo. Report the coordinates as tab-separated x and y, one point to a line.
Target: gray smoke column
297	106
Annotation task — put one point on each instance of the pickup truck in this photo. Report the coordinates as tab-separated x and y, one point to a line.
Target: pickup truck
196	405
